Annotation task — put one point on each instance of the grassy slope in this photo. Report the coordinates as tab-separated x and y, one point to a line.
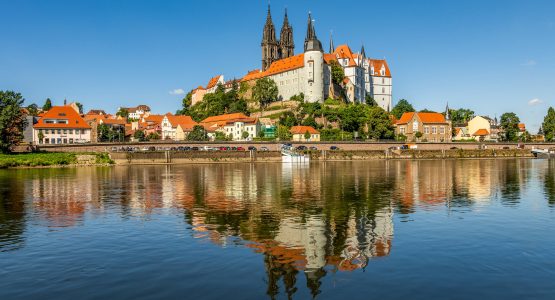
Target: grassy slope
45	159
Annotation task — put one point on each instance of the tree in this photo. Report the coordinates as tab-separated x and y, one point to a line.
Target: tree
265	91
461	116
418	134
40	135
47	105
198	134
244	135
186	104
378	124
509	123
548	125
370	101
283	133
153	136
80	106
337	73
122	112
402	107
261	134
353	117
139	135
220	136
288	119
307	135
33	109
12	120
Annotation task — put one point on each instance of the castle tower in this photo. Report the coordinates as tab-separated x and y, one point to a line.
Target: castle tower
269	43
287	46
313	65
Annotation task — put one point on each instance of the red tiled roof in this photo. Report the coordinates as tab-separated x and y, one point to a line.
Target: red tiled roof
303	130
424	117
378	63
73	118
344	52
184	121
279	66
213	81
225	117
329	57
481	132
114	121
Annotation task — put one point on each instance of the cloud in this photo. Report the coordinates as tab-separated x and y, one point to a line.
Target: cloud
529	63
177	92
535	101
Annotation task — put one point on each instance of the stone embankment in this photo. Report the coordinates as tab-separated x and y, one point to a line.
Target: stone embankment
172	157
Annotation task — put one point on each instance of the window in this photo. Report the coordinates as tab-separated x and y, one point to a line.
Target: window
434	130
52	141
383	80
402	130
415	126
426	129
383	90
71	141
65	131
59	131
442	130
65	141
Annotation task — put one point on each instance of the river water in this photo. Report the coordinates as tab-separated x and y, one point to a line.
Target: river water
453	229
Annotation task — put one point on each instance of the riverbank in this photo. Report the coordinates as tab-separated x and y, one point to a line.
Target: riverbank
188	157
70	159
53	159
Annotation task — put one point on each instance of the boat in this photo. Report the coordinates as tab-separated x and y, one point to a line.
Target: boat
544	153
290	155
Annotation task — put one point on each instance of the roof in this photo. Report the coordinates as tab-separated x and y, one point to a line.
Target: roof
481	132
96	112
303	130
113	121
329	57
344	52
184	121
154	118
279	66
213	81
378	64
521	126
425	117
225	117
62	113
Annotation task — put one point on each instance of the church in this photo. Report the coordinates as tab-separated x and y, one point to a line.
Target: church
309	73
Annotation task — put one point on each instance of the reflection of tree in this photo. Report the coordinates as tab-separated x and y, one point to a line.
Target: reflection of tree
549	182
12	212
510	182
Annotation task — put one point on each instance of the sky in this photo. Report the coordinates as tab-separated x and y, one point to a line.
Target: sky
485	55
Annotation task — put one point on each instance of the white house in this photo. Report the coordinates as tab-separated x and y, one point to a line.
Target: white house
170	124
61	125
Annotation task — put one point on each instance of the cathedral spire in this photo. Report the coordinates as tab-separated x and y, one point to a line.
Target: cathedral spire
447	114
286	43
311	42
269	42
362	56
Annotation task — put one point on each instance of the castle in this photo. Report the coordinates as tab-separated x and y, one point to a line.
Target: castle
310	73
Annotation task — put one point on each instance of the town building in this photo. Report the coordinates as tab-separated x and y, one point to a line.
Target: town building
176	127
478	129
236	126
61	125
299	134
432	127
135	113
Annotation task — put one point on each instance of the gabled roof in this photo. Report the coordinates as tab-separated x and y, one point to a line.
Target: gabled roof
184	121
329	57
378	64
425	117
213	82
344	52
154	118
303	130
113	121
481	132
73	118
225	117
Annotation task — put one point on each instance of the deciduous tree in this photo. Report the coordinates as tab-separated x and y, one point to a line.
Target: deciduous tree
12	121
265	91
509	123
548	125
402	107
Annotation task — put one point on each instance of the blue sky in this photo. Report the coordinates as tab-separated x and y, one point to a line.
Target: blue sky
490	56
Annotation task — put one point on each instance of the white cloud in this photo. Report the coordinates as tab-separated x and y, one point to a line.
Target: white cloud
177	92
535	101
529	63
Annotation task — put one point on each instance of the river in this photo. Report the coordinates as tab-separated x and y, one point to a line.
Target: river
428	229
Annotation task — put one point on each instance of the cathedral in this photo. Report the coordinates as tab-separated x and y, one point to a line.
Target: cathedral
309	73
272	49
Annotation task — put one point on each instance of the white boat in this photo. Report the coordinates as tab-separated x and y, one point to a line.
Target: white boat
544	153
289	155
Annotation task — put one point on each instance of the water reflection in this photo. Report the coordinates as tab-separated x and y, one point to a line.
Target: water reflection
306	221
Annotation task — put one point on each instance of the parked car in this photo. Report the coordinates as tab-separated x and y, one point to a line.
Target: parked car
313	148
264	148
232	148
240	149
144	148
151	148
404	147
453	148
194	148
333	148
301	148
180	148
186	148
114	149
252	148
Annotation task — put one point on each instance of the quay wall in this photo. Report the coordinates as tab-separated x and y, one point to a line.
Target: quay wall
273	146
171	157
